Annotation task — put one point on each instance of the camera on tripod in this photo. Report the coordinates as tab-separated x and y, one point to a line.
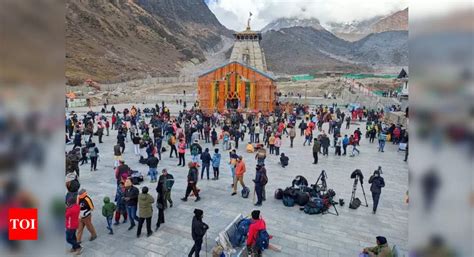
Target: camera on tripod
356	202
357	174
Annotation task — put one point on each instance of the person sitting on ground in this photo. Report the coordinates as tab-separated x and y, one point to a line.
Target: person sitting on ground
381	250
250	148
255	227
284	160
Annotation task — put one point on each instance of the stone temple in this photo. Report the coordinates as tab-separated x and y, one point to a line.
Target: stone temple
243	83
247	49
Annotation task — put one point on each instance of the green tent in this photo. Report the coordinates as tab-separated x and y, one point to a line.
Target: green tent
302	77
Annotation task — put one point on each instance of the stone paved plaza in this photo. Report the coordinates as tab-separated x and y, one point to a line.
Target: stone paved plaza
297	233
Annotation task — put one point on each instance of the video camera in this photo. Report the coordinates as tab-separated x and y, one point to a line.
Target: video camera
358	174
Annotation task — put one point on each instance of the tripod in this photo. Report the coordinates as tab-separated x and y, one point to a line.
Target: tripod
323	186
354	188
333	205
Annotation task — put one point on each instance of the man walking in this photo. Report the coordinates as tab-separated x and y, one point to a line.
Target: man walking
382	139
353	142
172	144
239	174
145	211
206	162
345	143
192	182
316	147
292	135
87	206
169	182
198	230
376	188
131	199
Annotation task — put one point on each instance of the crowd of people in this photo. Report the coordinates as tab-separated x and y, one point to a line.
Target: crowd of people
152	132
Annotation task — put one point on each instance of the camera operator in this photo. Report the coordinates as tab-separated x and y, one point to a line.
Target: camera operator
377	183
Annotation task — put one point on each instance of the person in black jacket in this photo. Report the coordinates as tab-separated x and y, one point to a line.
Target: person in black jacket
121	141
192	182
214	137
325	142
377	183
198	230
152	163
260	182
161	201
284	160
131	199
206	162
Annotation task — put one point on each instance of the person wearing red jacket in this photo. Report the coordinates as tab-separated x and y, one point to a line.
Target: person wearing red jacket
72	223
256	226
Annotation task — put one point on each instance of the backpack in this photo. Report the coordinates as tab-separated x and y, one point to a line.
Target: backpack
245	192
263	240
288	201
279	194
194	150
314	207
290	192
355	203
170	141
241	231
264	179
301	198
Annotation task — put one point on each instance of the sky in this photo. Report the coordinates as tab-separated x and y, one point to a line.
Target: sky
234	13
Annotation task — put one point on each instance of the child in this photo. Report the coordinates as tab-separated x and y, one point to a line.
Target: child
72	222
108	212
121	205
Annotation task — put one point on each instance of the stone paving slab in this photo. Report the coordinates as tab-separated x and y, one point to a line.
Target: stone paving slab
298	234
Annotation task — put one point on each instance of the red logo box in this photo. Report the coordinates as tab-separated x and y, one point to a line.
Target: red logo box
22	224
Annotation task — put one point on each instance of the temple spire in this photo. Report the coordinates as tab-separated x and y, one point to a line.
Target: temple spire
248	21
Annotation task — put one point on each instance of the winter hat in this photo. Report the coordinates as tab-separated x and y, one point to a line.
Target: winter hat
256	214
71	176
198	212
82	191
70	201
382	240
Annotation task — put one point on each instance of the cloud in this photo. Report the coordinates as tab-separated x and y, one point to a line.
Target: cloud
234	13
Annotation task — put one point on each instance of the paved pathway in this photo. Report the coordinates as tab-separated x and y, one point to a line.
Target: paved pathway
298	234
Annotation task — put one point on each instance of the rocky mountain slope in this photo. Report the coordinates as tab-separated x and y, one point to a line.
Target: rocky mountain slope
388	48
357	30
305	50
292	22
116	40
395	22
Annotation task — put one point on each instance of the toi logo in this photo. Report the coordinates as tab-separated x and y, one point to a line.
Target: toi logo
22	224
